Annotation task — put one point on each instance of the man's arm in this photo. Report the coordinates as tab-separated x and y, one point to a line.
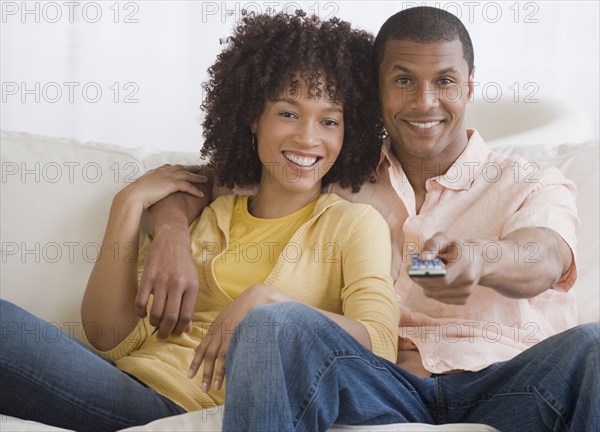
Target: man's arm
534	260
112	285
522	264
169	272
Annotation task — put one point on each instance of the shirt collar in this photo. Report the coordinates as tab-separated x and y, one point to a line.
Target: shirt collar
461	173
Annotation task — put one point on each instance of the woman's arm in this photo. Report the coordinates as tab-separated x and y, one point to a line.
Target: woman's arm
108	304
368	296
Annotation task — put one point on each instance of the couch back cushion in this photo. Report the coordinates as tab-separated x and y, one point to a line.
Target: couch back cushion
56	195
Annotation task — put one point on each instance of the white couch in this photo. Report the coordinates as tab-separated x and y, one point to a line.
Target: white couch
55	198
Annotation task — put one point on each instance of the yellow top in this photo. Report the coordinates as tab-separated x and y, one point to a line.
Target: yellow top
337	261
254	246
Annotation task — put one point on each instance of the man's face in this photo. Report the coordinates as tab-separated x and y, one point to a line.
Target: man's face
423	89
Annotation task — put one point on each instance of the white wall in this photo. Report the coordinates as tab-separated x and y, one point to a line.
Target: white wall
148	60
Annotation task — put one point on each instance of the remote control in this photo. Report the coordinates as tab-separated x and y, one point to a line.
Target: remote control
426	268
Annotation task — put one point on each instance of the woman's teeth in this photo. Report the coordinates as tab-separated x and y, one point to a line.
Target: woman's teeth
300	160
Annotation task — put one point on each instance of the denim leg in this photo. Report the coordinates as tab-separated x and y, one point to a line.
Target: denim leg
554	386
291	368
48	376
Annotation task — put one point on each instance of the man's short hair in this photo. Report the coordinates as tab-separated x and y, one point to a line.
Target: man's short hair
424	24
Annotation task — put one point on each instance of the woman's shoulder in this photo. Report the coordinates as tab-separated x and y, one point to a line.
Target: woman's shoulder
351	223
221	207
334	205
223	203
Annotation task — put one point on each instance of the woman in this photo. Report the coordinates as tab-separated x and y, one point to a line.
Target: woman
289	110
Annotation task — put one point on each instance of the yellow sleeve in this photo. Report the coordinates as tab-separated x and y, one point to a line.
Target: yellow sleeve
132	342
368	292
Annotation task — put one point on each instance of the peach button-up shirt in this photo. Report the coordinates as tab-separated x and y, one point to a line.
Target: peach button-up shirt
484	195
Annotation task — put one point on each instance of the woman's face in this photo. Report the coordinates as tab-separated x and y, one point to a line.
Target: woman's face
298	139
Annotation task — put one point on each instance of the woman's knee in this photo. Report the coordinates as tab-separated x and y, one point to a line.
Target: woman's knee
272	326
280	313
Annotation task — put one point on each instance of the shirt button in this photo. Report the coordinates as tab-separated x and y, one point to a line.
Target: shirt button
398	298
430	363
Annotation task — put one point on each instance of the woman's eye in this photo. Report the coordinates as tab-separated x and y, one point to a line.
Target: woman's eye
330	122
288	114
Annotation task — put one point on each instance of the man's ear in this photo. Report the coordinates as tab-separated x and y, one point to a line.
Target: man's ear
471	84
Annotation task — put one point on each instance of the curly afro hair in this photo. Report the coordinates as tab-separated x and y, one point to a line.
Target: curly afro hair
262	60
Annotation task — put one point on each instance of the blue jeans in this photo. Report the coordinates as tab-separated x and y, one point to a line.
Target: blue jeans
291	368
48	376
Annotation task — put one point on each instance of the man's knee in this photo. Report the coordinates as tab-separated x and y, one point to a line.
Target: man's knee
588	337
583	344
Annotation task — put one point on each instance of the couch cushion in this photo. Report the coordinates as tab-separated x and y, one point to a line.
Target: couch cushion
56	194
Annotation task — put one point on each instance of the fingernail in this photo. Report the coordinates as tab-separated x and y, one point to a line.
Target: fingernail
204	386
190	374
217	384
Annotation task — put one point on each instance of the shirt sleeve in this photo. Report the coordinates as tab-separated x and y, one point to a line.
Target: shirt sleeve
368	293
551	204
132	342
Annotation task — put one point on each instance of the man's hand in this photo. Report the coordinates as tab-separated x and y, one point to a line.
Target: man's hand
171	276
522	264
463	270
213	349
169	271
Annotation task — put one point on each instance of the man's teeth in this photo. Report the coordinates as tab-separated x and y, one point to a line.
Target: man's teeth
299	160
425	125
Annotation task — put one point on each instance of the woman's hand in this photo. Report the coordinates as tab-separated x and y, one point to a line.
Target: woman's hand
213	349
161	182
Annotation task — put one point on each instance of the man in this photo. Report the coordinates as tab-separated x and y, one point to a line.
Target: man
488	342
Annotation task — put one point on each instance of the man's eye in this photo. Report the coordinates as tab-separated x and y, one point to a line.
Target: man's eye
446	81
330	122
403	80
287	114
